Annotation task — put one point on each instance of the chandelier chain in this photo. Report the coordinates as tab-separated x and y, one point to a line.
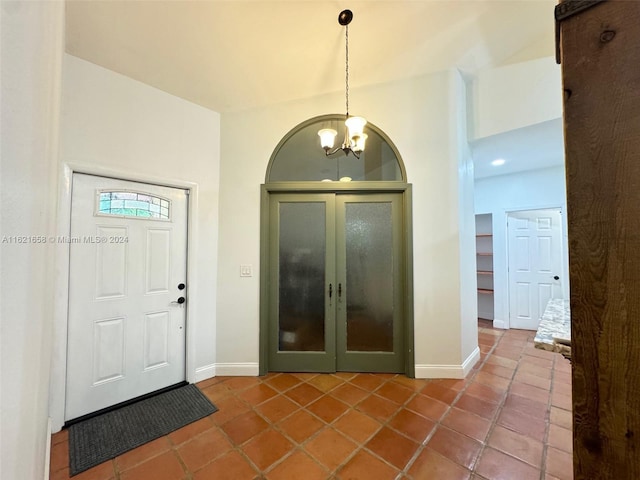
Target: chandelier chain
346	69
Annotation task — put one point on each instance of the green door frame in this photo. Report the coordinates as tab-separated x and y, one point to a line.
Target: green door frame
338	187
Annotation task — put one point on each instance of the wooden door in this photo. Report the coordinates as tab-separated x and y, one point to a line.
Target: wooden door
600	55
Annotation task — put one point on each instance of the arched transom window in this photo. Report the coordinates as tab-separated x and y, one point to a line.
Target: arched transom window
299	156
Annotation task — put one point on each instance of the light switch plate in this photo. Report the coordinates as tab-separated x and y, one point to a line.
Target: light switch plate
246	270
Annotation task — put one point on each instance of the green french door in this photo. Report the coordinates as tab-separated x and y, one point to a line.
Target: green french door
336	283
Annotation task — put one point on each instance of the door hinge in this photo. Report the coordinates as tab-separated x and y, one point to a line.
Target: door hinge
568	9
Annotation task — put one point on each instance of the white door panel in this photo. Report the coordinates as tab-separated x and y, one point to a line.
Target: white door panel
156	339
158	265
111	263
535	260
545	254
108	347
126	334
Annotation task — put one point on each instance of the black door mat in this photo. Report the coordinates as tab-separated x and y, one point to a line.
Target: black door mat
106	436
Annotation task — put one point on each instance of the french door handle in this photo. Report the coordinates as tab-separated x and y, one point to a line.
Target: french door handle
330	291
340	290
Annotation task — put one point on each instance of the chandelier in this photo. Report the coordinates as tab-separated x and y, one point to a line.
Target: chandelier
354	136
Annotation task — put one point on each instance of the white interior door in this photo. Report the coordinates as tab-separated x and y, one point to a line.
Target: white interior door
535	264
128	254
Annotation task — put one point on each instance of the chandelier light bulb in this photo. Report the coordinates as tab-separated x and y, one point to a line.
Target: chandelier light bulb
357	145
355	126
327	138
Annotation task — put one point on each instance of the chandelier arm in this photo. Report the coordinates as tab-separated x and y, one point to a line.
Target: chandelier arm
329	152
346	150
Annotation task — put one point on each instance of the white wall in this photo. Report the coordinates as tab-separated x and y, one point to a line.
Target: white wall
467	245
529	190
32	46
421	117
514	96
114	125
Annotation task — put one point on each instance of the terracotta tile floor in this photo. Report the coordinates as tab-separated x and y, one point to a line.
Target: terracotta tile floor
509	419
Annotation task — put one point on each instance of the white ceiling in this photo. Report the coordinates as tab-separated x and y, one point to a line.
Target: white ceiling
234	55
528	148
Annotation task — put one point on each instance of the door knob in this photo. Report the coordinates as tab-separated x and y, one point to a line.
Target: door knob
180	301
556	277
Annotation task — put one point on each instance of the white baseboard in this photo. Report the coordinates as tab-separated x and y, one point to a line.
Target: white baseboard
47	451
204	373
449	371
499	323
247	369
471	360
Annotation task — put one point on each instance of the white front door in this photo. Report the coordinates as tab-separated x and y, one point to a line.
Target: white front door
535	264
128	257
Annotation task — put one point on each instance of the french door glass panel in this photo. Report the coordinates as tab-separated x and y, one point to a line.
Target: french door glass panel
369	273
336	282
302	259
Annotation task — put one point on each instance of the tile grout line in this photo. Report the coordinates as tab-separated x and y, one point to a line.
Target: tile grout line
545	446
545	442
235	447
300	445
438	423
401	471
494	422
252	405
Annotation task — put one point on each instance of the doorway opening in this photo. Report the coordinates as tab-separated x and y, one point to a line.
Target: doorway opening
484	266
126	328
336	261
535	264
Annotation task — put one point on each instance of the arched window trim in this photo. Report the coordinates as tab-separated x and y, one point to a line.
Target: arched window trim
327	118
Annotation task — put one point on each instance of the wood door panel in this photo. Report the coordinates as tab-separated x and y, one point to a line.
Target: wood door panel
600	54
